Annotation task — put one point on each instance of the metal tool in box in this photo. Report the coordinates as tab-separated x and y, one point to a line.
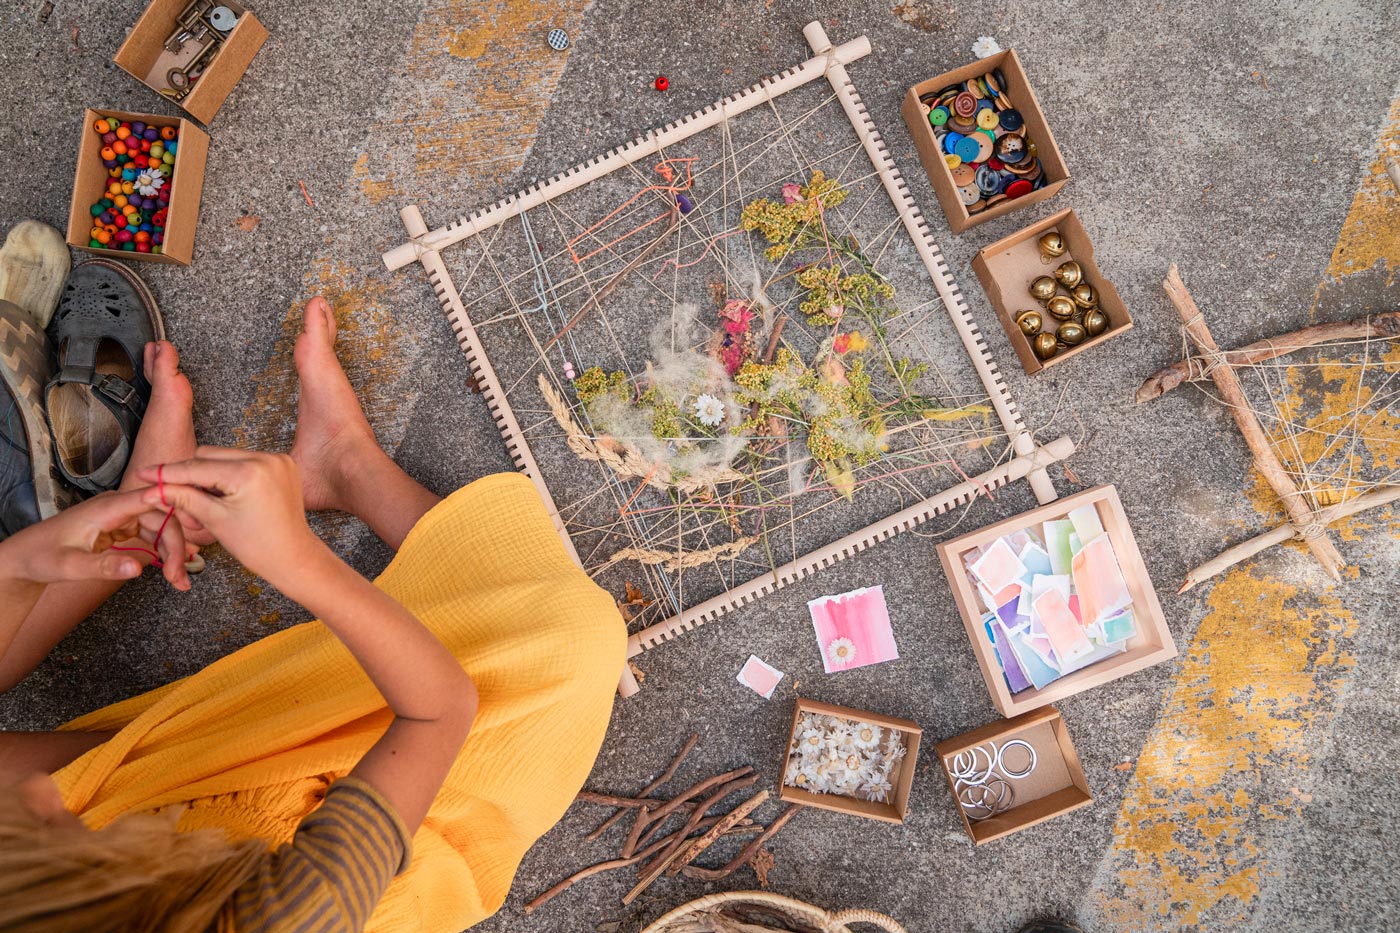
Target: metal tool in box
207	23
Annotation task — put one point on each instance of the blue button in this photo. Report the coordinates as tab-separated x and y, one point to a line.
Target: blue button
950	143
966	148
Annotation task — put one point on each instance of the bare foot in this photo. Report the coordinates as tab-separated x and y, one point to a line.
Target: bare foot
167	430
333	436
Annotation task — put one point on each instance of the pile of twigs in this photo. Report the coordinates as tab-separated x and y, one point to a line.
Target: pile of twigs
655	852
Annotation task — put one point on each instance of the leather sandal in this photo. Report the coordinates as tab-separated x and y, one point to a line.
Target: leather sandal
98	396
29	491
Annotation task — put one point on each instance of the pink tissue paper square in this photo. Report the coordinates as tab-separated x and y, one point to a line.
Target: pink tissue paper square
760	677
853	629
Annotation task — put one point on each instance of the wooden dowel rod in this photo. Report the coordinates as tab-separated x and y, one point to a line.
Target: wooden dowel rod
1246	549
1386	324
1317	540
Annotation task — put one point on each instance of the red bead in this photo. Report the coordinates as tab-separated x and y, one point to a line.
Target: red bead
662	82
142	247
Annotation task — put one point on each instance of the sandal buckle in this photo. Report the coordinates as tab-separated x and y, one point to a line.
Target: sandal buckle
117	389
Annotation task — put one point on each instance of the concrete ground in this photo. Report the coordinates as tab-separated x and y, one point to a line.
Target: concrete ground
1249	785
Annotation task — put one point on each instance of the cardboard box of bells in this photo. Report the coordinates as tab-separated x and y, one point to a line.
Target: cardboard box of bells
1054	785
1007	268
891	811
187	185
145	57
1018	93
1152	643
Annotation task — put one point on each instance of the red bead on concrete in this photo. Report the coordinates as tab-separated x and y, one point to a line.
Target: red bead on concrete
662	83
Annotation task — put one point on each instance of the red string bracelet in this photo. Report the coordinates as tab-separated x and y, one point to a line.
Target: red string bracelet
155	555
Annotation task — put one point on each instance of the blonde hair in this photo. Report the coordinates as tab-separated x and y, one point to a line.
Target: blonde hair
138	875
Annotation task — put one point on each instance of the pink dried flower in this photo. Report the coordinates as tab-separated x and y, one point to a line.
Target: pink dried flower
792	193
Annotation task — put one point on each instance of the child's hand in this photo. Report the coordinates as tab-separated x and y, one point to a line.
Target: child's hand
77	543
249	501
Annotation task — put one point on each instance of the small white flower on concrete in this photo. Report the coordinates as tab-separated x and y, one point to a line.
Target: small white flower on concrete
985	47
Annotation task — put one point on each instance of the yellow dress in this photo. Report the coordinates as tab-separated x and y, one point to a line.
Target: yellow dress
250	742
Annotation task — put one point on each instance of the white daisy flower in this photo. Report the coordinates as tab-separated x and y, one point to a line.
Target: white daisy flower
877	790
895	748
792	772
841	652
985	47
867	736
709	410
149	183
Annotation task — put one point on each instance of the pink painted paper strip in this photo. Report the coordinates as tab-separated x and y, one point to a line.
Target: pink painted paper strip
853	629
1098	581
1063	629
999	567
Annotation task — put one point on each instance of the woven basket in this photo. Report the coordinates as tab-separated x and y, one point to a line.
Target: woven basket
763	909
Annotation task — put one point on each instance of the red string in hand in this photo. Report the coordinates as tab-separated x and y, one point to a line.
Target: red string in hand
155	554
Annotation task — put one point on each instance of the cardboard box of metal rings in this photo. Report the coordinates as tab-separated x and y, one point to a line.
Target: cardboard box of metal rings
1013	774
1018	94
187	185
192	53
891	811
1009	266
1151	643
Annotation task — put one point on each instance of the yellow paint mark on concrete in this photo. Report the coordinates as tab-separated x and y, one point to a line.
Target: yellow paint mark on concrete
1265	664
1264	669
375	190
1371	234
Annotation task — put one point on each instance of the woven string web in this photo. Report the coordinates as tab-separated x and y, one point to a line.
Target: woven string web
613	275
1332	411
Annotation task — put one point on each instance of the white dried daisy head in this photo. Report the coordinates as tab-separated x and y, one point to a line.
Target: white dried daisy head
841	652
792	771
877	790
709	410
811	741
866	736
985	47
894	745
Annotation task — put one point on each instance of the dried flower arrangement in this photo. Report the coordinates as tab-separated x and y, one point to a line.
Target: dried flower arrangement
831	755
716	413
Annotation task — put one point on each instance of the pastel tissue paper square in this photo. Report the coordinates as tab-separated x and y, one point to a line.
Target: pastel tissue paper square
853	629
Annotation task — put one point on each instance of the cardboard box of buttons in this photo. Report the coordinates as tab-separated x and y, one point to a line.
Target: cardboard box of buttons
1150	644
1013	774
1007	269
1016	95
222	56
187	181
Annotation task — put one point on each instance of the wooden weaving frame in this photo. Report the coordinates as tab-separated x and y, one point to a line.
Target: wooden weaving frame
1028	462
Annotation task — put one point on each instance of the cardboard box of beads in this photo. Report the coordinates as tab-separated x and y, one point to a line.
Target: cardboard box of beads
1048	293
983	140
192	52
850	761
155	220
1013	774
1056	600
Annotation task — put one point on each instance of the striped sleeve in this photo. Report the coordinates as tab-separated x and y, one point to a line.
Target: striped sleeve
333	873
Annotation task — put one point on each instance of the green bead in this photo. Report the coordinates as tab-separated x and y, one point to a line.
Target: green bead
108	203
156	250
168	158
97	209
129	246
94	244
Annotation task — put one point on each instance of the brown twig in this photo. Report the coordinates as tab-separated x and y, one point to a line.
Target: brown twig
666	775
663	861
697	873
724	790
626	803
1265	459
692	851
739	830
630	845
1386	324
660	814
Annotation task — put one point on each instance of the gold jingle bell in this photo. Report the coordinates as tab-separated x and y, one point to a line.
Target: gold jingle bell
1084	295
1069	274
1044	345
1060	308
1043	288
1095	322
1052	245
1070	333
1029	322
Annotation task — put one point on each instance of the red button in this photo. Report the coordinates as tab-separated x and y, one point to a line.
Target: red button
1018	188
995	164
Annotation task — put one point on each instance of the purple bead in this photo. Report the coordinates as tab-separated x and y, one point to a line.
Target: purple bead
138	127
162	202
149	204
151	134
686	205
105	217
109	137
110	163
157	238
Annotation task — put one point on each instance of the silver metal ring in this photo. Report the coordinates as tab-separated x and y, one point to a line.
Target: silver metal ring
964	765
1001	764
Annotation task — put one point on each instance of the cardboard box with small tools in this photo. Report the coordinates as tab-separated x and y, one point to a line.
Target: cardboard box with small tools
1054	255
988	150
192	53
